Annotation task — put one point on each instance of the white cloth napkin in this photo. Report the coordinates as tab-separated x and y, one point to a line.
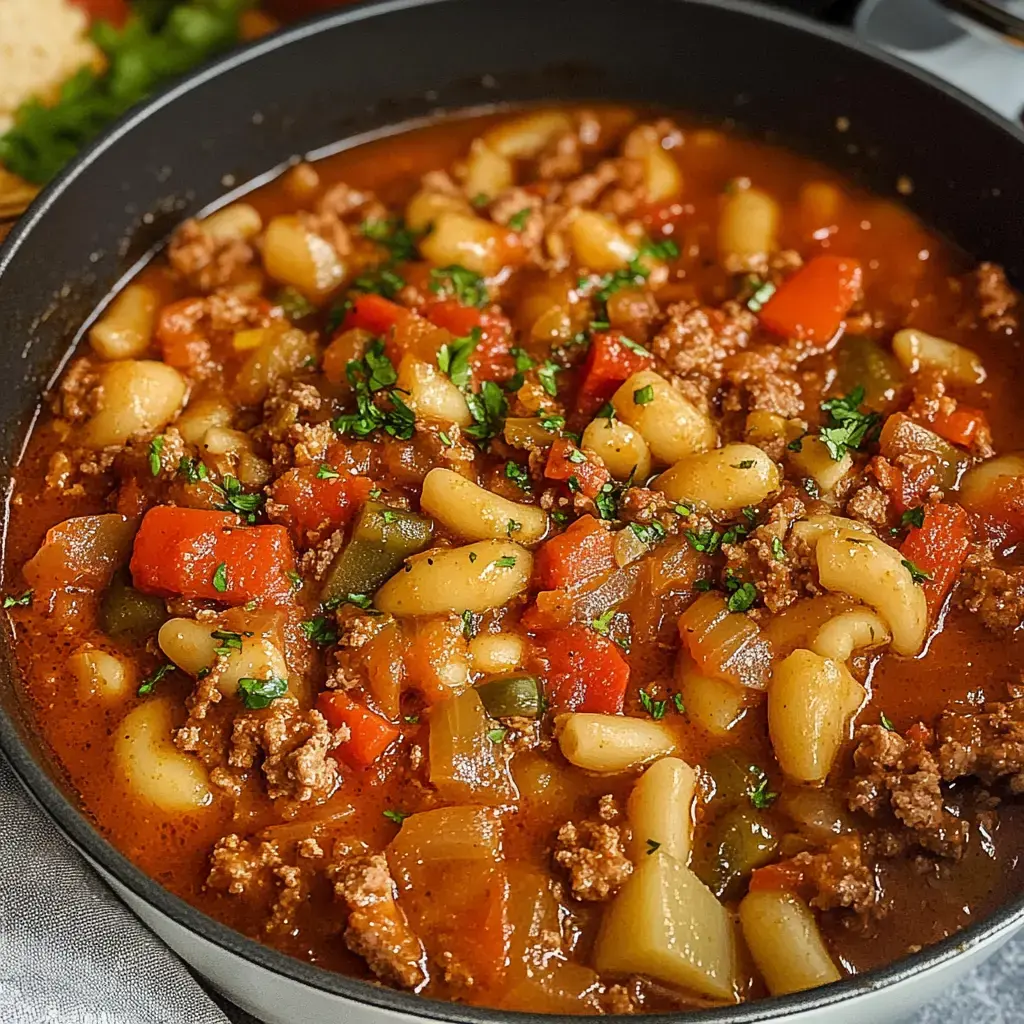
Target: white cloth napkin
70	951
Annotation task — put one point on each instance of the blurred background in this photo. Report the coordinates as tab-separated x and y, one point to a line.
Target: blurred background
68	68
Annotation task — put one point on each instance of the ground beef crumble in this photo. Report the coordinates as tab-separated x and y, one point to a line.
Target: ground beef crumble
594	854
988	744
839	877
995	594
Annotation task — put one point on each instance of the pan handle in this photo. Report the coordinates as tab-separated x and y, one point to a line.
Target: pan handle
993	17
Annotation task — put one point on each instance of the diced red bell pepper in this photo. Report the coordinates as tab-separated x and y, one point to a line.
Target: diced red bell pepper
586	672
784	876
375	314
611	360
811	304
906	486
204	554
938	547
567	462
584	551
369	734
962	426
114	11
320	497
490	358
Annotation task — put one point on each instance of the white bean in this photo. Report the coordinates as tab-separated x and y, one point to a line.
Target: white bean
722	480
612	743
126	328
100	674
599	243
620	447
660	809
474	513
292	254
466	240
813	460
476	578
494	653
135	397
850	631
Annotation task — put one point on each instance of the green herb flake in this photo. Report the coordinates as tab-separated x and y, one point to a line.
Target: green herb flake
848	428
518	475
886	721
644	395
574	485
496	735
453	357
682	510
559	517
706	542
220	578
258	693
228	641
294	579
518	219
745	464
603	622
512	527
546	374
778	551
394	236
665	249
156	447
319	631
913	517
916	574
470	626
20	601
294	304
648	533
677	700
742	598
326	472
488	409
193	470
149	683
248	506
655	708
763	291
797	444
551	423
411	719
396	816
505	562
465	286
760	795
359	600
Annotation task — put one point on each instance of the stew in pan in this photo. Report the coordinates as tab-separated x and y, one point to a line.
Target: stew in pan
561	561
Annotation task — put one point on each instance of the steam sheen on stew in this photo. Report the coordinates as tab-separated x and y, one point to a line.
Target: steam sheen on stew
557	560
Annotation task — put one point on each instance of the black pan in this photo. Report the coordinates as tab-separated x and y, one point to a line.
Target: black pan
363	69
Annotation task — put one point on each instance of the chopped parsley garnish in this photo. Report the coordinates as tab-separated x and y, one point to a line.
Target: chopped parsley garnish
469	625
778	551
734	533
481	199
559	517
149	683
518	475
704	586
453	357
505	562
706	542
797	444
383	281
750	514
512	527
21	601
488	409
193	470
551	423
497	734
742	597
373	373
760	795
576	456
326	472
665	249
319	631
913	517
465	286
228	641
652	845
258	693
359	600
248	506
655	708
396	816
445	439
763	291
294	304
294	579
546	374
156	447
886	721
574	485
603	622
848	428
650	533
916	574
677	699
745	464
220	577
606	412
389	516
411	719
682	510
394	236
523	360
607	502
643	395
518	219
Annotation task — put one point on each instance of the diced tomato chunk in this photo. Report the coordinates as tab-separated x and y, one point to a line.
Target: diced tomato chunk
961	426
114	11
490	358
586	672
204	554
369	734
938	547
584	551
375	314
182	343
784	876
320	497
566	462
611	360
811	304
